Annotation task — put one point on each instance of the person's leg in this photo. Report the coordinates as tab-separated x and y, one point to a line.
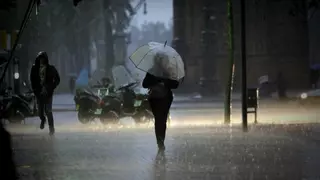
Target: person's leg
156	108
48	111
163	117
160	109
41	113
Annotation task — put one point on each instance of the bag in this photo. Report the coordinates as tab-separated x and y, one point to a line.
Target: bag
158	91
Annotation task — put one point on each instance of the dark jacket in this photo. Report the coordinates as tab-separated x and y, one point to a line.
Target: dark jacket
52	78
151	80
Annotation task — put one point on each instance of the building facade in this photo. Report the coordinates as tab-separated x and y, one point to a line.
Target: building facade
277	41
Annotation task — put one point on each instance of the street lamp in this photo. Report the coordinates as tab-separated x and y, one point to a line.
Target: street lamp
16	75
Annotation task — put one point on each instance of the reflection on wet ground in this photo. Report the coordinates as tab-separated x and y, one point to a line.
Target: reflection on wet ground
207	152
198	146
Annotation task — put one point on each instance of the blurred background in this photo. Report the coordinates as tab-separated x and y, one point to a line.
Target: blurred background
281	37
98	36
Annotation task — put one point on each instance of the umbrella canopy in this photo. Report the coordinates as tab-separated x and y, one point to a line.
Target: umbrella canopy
159	60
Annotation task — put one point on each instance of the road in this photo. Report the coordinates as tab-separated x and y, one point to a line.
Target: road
199	146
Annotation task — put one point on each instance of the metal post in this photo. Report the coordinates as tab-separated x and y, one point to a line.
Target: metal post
244	65
229	86
109	38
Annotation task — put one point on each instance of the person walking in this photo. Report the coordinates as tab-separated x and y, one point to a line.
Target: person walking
160	100
44	80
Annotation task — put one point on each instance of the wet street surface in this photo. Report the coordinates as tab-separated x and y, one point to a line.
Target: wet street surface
265	152
198	146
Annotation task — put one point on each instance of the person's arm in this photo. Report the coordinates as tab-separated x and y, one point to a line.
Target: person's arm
149	81
56	80
32	81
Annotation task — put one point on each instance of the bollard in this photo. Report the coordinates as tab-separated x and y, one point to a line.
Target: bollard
252	102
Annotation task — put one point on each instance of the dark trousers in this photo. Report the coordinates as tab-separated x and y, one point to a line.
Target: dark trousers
45	109
160	108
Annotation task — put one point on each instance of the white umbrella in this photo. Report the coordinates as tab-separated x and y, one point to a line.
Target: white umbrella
159	60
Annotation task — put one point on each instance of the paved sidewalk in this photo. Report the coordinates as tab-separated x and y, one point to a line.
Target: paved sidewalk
67	99
64	102
265	152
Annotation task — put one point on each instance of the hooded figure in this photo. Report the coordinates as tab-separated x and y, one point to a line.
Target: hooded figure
160	98
44	79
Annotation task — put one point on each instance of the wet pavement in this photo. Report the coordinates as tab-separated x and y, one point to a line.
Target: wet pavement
198	146
193	152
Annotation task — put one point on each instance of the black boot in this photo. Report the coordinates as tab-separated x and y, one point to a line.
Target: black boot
51	123
42	123
51	130
160	142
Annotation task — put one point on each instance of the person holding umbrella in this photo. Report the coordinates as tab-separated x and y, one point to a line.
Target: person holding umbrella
164	68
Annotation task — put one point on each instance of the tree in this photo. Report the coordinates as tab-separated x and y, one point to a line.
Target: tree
231	64
151	31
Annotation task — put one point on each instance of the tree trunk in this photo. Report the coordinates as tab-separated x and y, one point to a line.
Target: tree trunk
231	67
109	40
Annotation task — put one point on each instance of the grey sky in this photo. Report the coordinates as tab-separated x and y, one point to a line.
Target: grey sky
158	10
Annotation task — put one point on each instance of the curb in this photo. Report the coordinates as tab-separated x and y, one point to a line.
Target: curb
192	104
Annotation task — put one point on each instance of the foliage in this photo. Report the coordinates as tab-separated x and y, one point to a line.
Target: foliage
53	22
151	31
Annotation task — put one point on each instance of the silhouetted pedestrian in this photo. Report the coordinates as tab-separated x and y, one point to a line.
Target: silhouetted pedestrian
44	79
160	100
